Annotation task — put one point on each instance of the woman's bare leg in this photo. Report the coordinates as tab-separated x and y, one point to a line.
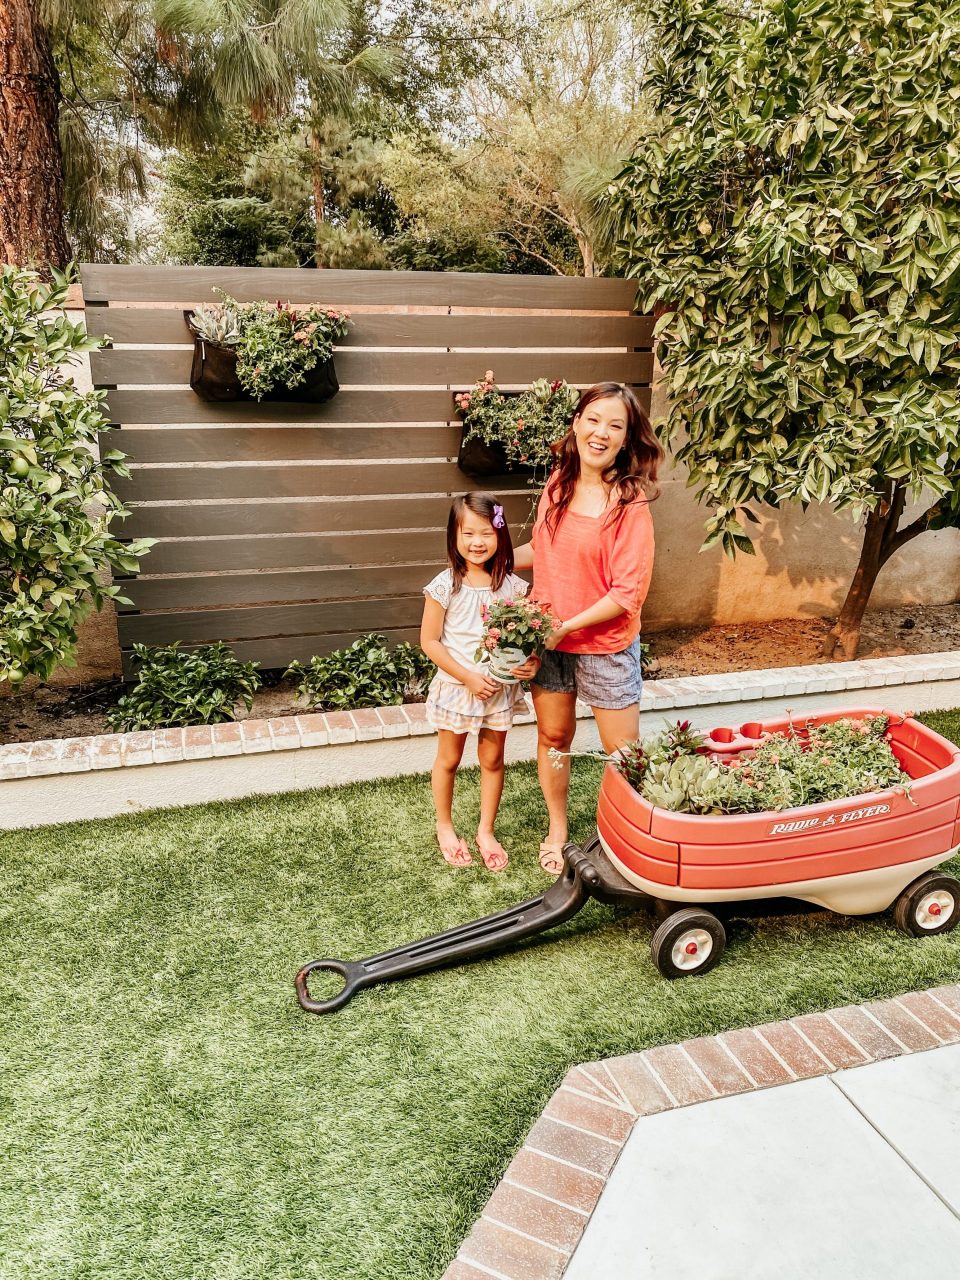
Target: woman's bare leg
616	728
556	726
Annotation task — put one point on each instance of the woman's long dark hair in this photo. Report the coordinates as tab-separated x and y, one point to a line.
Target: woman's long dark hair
633	471
500	563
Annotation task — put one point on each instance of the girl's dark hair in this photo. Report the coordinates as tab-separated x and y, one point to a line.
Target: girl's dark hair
633	471
501	562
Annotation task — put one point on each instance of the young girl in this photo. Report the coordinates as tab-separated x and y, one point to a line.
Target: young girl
462	698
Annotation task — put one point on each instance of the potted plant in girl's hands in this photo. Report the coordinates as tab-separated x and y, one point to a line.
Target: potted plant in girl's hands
264	350
513	631
504	433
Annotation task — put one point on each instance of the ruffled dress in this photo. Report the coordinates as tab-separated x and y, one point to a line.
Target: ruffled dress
450	704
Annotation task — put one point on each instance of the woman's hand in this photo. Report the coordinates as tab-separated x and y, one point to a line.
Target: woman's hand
527	670
481	686
558	634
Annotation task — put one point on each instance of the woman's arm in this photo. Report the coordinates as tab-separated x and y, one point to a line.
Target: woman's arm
605	610
523	556
431	629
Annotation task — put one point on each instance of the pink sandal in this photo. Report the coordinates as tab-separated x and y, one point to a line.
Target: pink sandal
456	852
551	859
494	855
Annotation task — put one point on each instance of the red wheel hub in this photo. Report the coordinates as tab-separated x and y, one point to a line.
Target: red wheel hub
934	909
691	948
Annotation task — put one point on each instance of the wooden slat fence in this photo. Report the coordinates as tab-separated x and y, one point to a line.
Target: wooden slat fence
289	529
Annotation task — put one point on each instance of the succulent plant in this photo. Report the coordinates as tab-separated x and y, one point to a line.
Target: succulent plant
218	324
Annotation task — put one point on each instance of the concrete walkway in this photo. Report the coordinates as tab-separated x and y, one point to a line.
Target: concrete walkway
852	1175
826	1145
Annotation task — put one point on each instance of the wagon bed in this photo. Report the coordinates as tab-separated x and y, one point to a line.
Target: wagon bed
851	855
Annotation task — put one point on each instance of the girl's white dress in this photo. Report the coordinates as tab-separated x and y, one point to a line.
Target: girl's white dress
450	704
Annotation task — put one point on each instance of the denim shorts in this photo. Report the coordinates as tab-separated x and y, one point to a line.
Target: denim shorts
610	681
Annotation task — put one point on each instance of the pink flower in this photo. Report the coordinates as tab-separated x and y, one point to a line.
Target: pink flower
511	626
490	643
535	624
494	633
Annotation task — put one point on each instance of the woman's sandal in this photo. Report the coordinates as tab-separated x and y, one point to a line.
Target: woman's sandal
494	856
456	852
551	858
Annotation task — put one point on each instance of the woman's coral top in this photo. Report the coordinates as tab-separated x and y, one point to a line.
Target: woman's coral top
587	558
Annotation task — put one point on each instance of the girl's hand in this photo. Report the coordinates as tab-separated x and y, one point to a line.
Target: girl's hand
481	686
557	635
527	670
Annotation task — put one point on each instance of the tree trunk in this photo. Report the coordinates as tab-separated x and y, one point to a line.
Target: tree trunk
881	538
32	228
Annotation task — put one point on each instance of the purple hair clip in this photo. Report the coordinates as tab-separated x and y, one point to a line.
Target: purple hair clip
497	516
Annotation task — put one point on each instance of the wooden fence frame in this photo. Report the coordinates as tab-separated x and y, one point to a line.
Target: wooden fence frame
288	529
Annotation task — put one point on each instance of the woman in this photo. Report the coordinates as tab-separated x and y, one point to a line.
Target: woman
591	552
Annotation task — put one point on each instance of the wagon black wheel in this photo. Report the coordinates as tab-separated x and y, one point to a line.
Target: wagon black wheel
930	905
690	941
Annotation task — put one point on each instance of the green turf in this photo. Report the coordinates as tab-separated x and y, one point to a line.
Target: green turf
169	1114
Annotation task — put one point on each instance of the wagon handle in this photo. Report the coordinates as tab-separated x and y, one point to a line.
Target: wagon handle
579	880
352	972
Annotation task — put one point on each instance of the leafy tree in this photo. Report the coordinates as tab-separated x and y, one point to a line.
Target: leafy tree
56	507
551	123
795	223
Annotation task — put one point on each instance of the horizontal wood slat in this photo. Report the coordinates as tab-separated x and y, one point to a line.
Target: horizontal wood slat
159	484
201	625
399	368
379	407
270	444
104	283
210	519
148	407
150	326
269	588
280	653
336	550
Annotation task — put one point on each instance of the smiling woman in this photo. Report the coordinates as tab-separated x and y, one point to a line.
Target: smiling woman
592	558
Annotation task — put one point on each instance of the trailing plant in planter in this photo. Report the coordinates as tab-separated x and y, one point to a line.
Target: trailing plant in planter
367	673
56	507
177	688
519	431
265	350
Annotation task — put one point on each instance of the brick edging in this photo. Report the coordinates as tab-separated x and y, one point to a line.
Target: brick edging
283	733
537	1214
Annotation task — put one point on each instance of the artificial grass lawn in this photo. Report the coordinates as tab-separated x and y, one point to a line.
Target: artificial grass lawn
168	1113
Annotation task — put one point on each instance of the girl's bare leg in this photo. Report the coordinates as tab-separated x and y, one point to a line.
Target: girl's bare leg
616	728
556	726
449	754
490	744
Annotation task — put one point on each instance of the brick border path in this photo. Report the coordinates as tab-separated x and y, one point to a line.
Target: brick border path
534	1220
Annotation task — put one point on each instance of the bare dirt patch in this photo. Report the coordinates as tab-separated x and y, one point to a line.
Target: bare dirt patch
790	642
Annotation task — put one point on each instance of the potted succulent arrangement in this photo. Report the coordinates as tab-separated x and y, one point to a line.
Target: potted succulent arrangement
264	350
513	432
513	631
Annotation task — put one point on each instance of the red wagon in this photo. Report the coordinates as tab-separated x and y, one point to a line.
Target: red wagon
856	856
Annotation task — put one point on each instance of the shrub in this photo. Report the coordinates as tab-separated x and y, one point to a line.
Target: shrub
56	508
174	688
366	673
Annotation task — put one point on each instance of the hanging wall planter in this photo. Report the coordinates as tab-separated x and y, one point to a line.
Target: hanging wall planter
264	351
513	433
